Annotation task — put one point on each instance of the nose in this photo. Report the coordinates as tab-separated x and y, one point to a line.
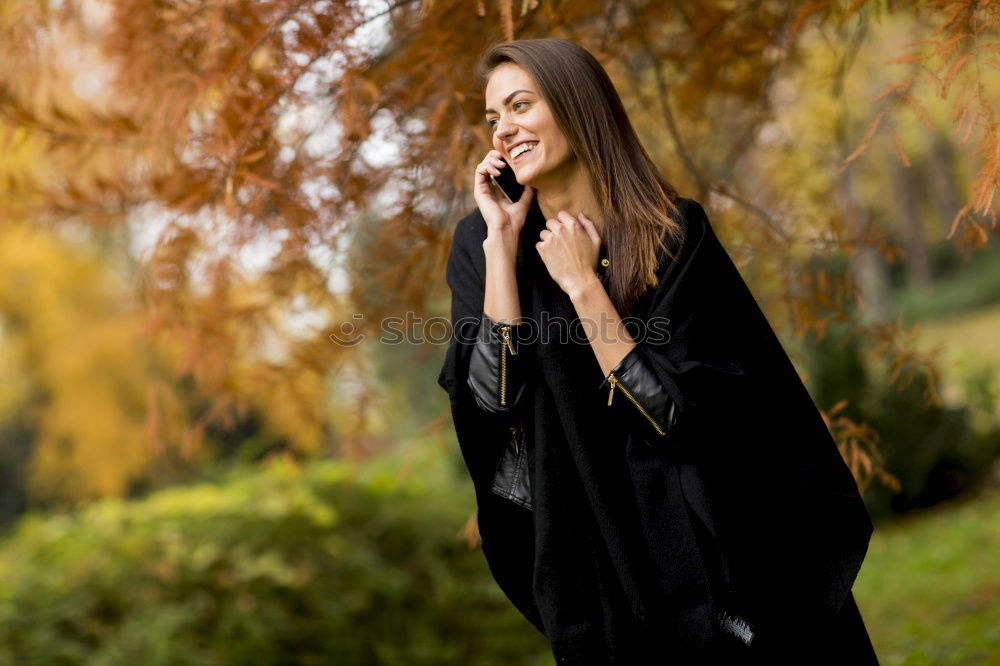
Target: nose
504	129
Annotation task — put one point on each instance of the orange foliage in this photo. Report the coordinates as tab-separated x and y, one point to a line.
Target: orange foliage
247	121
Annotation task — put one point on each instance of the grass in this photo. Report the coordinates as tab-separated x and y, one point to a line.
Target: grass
929	589
974	331
969	285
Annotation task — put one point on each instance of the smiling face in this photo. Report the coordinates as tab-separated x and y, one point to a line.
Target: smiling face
515	113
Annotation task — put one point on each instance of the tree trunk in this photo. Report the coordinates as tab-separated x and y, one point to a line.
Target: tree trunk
867	267
908	183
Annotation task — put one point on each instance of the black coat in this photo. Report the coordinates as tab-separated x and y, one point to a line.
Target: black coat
738	533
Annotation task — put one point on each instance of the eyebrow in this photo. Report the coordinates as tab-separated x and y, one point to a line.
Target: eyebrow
507	100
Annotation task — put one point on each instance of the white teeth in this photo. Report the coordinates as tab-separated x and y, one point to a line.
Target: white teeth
524	147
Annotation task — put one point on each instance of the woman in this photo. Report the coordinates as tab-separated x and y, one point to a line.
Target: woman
654	484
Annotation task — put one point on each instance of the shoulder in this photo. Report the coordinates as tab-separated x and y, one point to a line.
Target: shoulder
469	230
465	257
692	215
695	227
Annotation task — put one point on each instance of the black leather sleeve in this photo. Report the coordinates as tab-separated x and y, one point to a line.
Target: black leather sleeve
496	370
635	394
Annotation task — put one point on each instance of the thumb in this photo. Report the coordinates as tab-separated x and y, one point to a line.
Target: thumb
526	196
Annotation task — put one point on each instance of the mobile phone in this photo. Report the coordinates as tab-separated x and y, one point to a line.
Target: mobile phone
507	182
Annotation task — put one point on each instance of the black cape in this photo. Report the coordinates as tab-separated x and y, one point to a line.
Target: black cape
745	524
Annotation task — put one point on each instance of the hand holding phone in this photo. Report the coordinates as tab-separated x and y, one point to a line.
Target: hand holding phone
510	206
507	182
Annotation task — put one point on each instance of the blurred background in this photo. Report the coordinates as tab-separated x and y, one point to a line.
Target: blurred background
223	233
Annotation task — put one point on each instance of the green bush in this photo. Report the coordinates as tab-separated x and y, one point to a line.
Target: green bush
936	452
280	565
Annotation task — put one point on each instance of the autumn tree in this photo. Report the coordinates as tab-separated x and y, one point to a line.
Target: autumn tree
275	130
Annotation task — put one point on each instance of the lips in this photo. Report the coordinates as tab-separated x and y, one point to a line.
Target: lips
523	156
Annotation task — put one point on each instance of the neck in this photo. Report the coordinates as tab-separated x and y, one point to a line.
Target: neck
570	192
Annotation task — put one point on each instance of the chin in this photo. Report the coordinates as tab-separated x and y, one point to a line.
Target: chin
529	179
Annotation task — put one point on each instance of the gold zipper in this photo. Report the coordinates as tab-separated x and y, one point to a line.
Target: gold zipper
616	382
505	332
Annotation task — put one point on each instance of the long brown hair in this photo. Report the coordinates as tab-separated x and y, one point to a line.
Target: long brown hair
636	201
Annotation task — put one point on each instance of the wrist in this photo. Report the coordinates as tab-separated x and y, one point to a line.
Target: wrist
501	246
583	288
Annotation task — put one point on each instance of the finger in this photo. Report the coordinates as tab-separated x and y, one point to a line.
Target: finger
544	234
567	219
526	196
553	224
481	176
483	180
590	228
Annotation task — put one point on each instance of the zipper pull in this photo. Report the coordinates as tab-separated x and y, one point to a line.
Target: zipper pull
513	435
611	393
505	331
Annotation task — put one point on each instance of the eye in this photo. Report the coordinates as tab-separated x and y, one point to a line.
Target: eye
489	123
